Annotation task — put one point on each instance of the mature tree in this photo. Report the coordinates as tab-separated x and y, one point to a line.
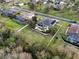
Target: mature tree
6	34
39	51
32	23
76	8
31	5
53	30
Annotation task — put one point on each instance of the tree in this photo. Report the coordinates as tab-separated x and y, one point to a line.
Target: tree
53	30
48	7
76	8
39	5
46	10
32	23
6	34
39	51
31	5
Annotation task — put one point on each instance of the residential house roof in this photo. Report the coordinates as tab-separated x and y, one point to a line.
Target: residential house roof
20	19
46	22
27	15
13	10
74	28
73	33
9	11
7	0
23	17
39	0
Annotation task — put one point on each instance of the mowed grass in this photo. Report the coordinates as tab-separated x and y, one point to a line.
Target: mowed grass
66	14
12	25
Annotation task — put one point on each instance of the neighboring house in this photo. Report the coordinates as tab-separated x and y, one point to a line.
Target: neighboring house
27	15
36	1
45	24
11	12
20	19
59	4
73	34
19	4
23	18
6	1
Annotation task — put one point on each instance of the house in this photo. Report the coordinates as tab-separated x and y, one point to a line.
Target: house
45	24
73	34
20	19
36	1
7	12
11	12
24	17
59	4
6	1
27	15
19	4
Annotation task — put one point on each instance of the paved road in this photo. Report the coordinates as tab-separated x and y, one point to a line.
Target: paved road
50	16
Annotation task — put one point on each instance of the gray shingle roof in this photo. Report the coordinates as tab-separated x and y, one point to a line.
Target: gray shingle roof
46	22
8	0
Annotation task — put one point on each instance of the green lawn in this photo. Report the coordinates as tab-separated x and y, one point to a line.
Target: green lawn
10	23
66	14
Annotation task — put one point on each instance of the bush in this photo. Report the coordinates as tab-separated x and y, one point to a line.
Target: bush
39	51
